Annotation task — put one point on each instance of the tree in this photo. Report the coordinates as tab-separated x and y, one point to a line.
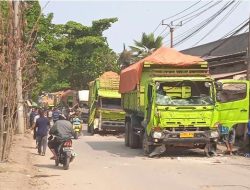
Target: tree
71	55
146	45
125	58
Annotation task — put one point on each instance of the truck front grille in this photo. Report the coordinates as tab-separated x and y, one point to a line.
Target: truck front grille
191	128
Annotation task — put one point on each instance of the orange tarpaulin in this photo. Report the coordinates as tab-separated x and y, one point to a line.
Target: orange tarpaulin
130	76
109	74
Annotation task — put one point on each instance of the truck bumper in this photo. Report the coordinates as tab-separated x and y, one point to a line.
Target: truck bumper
186	140
192	139
113	125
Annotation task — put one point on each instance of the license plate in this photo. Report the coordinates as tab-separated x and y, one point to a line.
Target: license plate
186	135
67	149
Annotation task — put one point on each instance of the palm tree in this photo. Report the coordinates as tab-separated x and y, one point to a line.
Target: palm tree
146	45
125	58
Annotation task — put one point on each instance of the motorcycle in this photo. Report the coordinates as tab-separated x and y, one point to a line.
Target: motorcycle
77	129
65	154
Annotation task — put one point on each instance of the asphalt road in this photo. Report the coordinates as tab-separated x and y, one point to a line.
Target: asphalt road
104	163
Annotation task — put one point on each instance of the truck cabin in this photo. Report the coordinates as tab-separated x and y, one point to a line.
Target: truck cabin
109	103
184	93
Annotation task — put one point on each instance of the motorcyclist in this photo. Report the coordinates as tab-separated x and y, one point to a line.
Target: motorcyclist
55	115
61	130
76	120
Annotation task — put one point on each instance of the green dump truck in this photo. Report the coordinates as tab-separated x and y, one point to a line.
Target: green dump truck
105	112
171	101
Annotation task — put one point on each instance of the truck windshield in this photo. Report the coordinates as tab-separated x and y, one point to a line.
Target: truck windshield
184	93
111	103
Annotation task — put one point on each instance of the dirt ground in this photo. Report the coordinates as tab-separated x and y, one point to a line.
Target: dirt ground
18	172
103	162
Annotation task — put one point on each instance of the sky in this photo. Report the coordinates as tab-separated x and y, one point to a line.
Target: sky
135	17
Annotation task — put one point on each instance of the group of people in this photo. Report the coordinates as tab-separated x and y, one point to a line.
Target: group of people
49	122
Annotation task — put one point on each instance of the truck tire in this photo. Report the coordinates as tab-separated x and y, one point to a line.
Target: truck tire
126	138
147	149
134	140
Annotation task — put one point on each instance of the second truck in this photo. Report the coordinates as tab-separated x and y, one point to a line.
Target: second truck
105	112
170	101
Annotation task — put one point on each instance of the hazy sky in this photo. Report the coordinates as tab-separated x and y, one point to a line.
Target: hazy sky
136	17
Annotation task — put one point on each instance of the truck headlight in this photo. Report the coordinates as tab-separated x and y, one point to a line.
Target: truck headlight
214	134
157	135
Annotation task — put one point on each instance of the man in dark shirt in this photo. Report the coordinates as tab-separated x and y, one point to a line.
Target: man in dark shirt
42	127
62	130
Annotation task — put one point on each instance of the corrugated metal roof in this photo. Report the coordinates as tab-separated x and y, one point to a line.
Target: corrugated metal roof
238	43
225	75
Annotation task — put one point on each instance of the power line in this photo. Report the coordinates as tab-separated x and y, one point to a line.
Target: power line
193	11
182	11
157	27
195	16
219	23
199	13
245	24
232	31
205	23
163	30
191	30
176	15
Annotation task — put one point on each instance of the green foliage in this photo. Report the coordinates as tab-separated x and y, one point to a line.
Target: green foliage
31	14
125	58
141	49
71	55
145	46
4	9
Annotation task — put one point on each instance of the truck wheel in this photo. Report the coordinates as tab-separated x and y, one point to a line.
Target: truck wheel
147	149
126	138
134	140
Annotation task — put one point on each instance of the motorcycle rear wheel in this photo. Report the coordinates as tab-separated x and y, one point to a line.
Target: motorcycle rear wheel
66	163
76	135
56	162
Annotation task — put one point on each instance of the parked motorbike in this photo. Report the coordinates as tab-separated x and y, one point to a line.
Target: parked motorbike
65	154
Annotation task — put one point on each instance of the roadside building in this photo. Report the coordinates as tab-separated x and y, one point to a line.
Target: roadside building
226	58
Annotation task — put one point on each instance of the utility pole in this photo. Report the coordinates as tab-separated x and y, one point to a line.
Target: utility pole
248	52
171	29
19	88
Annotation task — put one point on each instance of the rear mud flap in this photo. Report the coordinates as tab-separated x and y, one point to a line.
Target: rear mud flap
158	151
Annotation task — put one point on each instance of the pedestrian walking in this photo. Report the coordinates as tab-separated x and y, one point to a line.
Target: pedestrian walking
42	128
32	115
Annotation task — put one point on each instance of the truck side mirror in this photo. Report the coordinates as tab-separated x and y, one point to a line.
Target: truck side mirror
218	86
